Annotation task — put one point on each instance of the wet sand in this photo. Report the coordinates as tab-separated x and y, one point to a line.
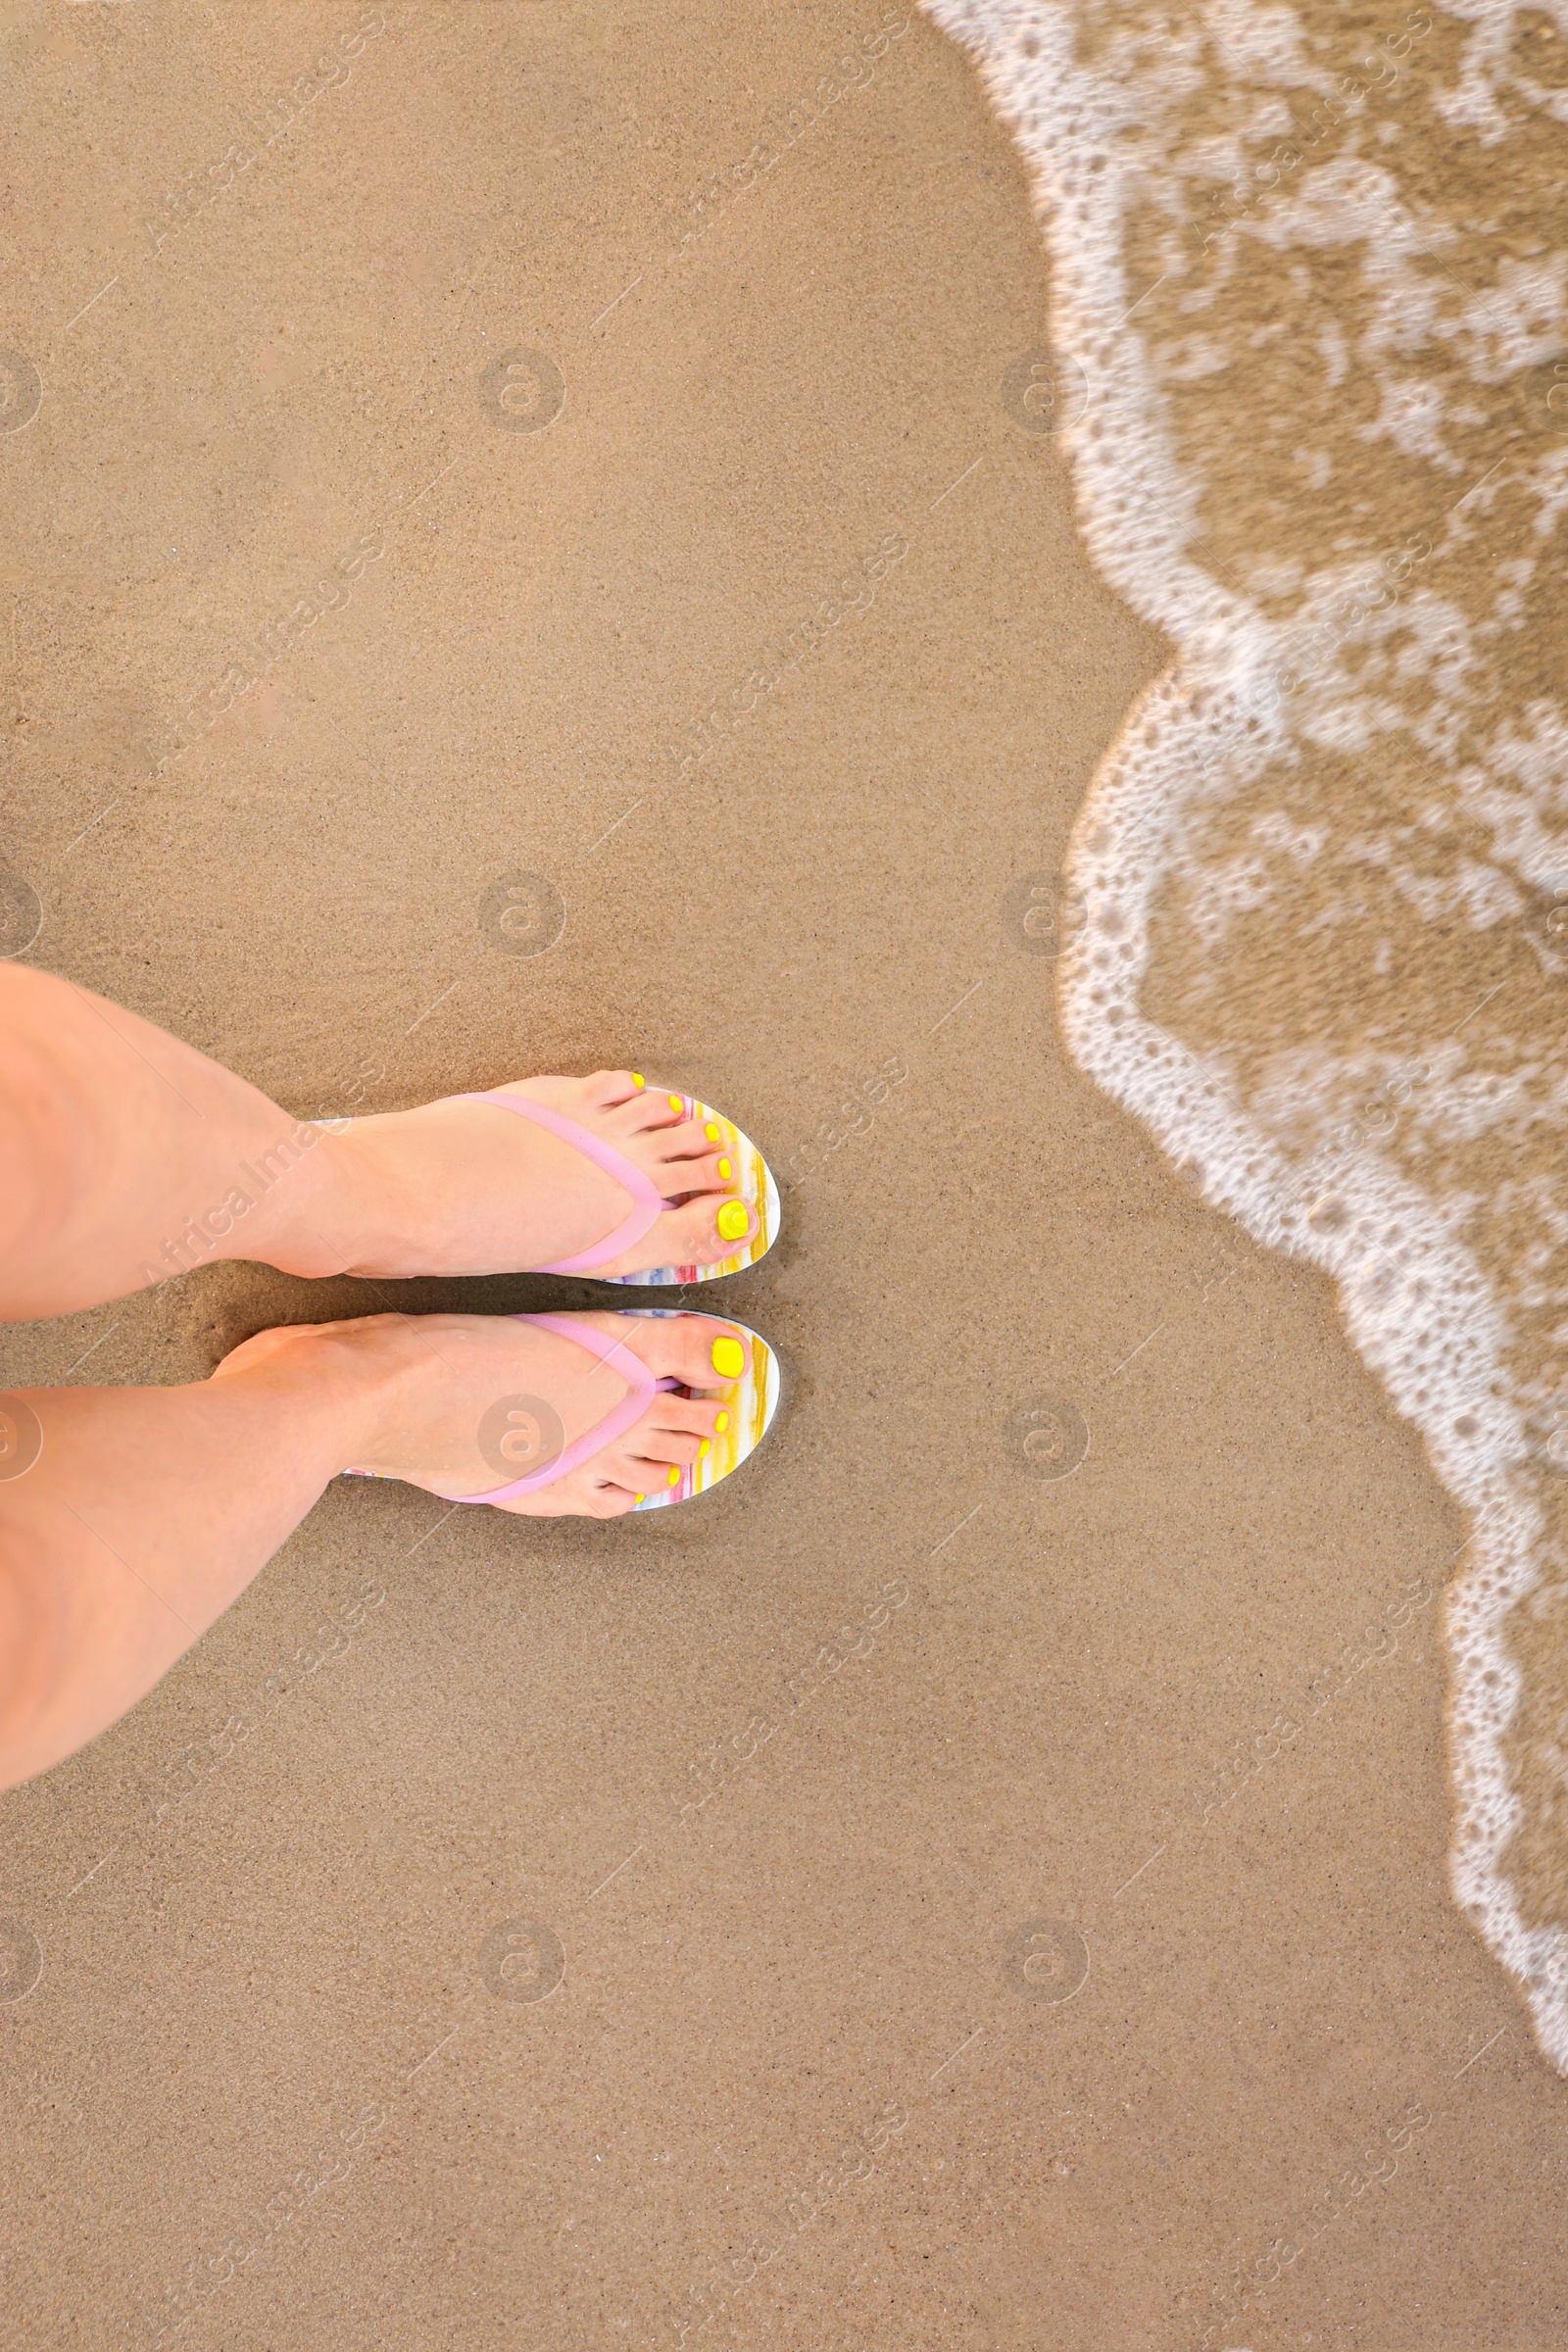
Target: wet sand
909	1972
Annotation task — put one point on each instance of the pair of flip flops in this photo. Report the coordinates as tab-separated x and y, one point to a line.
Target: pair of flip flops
751	1401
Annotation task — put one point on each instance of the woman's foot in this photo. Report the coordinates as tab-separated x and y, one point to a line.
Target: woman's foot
462	1404
461	1186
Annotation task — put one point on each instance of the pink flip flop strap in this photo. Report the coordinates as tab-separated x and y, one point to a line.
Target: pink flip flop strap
651	1203
615	1422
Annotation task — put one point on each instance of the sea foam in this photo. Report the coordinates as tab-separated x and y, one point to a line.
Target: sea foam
1354	772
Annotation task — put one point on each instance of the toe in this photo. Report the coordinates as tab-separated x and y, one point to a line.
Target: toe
607	1090
690	1141
659	1451
647	1107
591	1493
673	1434
703	1233
643	1464
691	1422
701	1351
614	1501
679	1179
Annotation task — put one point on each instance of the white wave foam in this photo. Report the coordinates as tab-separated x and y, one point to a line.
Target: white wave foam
1415	1300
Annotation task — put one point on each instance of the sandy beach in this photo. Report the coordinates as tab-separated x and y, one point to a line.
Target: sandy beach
981	1882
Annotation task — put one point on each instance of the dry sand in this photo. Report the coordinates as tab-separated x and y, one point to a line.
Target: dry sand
264	2088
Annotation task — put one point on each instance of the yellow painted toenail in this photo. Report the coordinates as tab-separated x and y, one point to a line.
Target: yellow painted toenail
638	1079
705	1450
729	1357
711	1131
722	1423
726	1170
733	1221
674	1478
675	1103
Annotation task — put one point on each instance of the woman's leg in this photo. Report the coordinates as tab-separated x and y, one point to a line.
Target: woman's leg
143	1514
127	1157
130	1518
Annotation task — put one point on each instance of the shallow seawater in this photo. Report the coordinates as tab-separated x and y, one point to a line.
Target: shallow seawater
1311	367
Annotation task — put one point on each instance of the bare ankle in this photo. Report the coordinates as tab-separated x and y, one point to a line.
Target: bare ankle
352	1374
316	1221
